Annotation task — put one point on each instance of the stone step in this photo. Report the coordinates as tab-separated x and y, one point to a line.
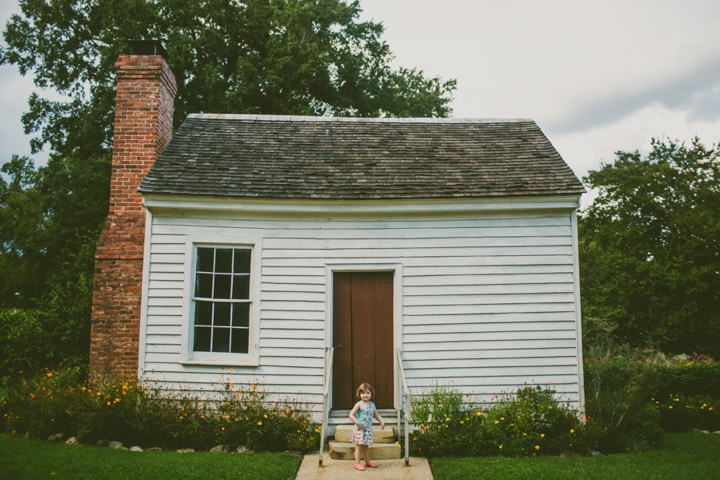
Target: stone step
343	434
378	451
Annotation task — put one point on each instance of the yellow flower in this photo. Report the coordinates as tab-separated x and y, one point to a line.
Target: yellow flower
542	435
500	447
537	447
396	443
502	418
478	413
670	407
447	419
524	434
260	423
223	428
461	422
496	422
572	430
710	408
265	415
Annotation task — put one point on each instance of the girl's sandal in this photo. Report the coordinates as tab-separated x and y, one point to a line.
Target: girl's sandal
371	464
359	467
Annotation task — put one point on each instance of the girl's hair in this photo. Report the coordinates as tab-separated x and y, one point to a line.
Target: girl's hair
363	387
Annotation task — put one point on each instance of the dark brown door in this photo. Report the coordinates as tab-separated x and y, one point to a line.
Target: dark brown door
363	337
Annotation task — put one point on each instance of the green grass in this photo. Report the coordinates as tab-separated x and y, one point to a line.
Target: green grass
22	458
681	456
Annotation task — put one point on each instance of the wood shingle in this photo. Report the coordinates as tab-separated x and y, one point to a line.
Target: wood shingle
358	159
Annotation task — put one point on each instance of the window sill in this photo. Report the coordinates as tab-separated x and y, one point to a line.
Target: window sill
221	363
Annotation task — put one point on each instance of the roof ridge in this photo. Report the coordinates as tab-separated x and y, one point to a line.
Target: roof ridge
302	118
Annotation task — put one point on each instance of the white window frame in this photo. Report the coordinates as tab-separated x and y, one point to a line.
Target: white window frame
188	355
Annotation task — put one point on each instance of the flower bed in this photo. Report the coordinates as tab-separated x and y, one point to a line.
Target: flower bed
144	414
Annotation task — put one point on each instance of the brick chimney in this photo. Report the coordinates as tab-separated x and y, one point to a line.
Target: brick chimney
143	126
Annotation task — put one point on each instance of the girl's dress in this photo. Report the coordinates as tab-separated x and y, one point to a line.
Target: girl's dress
364	435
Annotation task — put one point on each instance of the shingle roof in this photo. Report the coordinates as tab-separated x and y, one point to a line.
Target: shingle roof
354	158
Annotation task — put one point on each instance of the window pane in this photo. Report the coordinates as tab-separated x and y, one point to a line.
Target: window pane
203	313
223	260
222	314
241	315
240	340
203	285
242	261
241	287
202	339
205	259
222	286
221	340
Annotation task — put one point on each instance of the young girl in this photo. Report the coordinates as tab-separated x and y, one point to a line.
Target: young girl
362	415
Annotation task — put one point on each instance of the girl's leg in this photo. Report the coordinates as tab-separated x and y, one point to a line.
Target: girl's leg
366	453
357	454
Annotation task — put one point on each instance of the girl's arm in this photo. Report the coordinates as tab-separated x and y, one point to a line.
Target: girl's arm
380	419
352	415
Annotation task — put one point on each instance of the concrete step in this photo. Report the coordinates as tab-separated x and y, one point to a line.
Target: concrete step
343	434
340	417
379	451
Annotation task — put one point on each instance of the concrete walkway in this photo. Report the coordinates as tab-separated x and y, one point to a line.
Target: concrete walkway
419	469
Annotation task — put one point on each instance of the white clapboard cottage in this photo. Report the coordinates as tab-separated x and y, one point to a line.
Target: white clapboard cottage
270	239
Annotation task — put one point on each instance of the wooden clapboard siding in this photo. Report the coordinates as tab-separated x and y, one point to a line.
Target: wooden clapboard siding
488	300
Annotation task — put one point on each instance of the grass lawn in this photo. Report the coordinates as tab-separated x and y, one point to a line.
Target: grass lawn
21	458
681	456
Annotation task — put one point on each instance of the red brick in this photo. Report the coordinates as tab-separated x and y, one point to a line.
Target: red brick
143	126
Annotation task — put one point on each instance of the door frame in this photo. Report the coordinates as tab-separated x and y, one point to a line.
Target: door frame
341	267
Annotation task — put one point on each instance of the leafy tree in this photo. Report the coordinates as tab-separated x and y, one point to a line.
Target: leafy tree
650	248
303	57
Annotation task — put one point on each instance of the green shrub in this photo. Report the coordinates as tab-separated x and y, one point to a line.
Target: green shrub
42	405
149	415
689	378
57	330
527	423
617	383
679	413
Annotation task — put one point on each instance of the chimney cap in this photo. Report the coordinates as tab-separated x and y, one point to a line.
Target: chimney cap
147	47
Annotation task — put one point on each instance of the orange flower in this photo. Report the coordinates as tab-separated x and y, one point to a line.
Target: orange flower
414	439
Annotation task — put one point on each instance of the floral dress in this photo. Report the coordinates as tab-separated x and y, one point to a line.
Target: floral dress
364	435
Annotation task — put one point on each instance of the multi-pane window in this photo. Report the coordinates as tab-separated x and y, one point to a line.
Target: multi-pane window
222	300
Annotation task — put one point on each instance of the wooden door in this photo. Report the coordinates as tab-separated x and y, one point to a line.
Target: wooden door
363	337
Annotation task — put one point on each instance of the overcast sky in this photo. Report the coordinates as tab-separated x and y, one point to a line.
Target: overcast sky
596	76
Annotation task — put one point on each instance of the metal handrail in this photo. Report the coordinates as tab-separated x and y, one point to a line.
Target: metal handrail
326	410
407	411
